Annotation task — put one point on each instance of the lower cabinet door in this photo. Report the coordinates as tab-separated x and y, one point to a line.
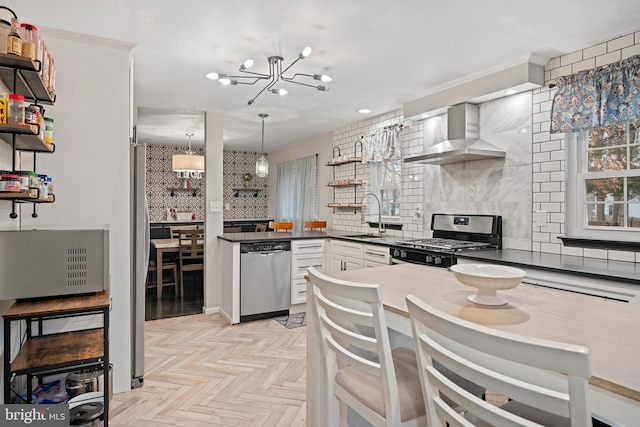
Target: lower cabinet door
298	291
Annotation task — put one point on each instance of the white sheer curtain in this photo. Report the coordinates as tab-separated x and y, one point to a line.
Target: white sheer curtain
296	191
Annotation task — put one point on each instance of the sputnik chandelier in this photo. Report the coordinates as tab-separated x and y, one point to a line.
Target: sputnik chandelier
276	74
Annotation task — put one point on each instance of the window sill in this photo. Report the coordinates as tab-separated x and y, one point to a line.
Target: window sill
615	245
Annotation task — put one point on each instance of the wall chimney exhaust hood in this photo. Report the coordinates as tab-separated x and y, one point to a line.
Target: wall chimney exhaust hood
463	145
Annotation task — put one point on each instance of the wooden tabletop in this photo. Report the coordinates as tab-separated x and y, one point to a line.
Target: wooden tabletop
58	305
608	328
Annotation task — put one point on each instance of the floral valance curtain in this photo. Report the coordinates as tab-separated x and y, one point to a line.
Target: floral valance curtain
381	145
601	96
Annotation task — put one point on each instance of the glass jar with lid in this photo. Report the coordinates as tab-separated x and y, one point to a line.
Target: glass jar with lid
16	109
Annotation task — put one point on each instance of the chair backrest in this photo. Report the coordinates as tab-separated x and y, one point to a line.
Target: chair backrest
191	246
315	225
276	225
354	331
175	229
542	375
232	230
261	227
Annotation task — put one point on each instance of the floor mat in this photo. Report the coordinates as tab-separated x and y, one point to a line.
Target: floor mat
292	321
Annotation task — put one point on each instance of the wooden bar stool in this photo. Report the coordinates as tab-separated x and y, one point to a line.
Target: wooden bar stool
283	226
315	225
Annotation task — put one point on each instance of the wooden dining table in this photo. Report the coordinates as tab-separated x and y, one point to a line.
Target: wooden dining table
610	329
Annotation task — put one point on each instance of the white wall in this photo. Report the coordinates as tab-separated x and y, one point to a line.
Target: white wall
320	145
90	167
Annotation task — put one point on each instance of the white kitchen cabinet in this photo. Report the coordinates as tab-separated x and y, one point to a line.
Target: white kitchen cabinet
346	255
375	256
304	254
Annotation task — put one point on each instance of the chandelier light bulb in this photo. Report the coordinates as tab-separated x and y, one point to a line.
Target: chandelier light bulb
280	92
305	52
247	64
213	76
322	77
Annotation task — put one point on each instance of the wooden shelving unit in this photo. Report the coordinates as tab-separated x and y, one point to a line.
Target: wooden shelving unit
22	75
351	182
43	354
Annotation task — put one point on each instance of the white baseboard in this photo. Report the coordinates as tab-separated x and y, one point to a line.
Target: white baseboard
210	310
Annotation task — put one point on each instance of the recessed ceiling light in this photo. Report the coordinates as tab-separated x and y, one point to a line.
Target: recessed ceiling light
364	111
510	91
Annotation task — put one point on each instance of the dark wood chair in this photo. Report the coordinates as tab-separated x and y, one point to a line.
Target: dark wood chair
315	225
232	230
283	226
191	253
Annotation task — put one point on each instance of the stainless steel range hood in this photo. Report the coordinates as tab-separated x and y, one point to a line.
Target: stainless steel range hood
464	143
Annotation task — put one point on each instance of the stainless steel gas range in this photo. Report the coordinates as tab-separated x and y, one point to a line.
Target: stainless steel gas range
452	234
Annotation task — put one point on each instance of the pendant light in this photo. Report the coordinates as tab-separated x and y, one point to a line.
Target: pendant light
189	164
262	166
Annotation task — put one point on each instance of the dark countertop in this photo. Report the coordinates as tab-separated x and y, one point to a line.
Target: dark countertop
589	267
302	235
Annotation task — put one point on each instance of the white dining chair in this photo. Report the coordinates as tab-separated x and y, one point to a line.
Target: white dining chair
378	383
545	381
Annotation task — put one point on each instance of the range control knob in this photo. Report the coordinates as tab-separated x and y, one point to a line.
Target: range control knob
403	254
396	253
428	259
438	260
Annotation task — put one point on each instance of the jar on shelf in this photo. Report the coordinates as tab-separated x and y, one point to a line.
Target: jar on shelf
24	178
31	115
5	28
49	185
14	42
48	130
16	109
44	190
29	35
10	183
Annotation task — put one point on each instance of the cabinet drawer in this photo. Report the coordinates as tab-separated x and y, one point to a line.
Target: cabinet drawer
346	248
298	291
307	246
379	254
300	264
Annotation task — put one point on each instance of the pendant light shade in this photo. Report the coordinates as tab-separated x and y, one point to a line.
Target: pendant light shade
262	166
188	165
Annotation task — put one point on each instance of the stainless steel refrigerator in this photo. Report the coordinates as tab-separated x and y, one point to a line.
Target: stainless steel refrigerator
140	258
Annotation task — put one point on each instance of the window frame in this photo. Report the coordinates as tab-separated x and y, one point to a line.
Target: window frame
576	176
377	185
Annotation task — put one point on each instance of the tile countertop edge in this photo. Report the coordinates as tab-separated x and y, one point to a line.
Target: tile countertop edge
589	267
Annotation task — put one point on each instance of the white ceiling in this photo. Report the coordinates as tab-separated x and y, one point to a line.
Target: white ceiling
380	53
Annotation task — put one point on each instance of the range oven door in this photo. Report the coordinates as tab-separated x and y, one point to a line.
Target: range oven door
401	255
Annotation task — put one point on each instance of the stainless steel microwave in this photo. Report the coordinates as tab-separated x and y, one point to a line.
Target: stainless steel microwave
45	263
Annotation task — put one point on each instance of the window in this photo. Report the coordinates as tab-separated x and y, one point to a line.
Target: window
385	183
605	192
296	192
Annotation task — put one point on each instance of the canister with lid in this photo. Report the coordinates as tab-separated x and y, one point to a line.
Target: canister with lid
16	109
30	41
10	183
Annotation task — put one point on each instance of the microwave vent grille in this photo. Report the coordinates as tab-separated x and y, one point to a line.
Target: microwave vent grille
76	267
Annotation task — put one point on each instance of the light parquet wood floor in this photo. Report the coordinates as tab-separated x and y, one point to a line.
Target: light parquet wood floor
200	371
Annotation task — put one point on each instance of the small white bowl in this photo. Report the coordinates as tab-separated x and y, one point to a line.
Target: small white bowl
488	278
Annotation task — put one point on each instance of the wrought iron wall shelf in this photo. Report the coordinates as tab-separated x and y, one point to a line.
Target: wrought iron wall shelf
237	191
174	190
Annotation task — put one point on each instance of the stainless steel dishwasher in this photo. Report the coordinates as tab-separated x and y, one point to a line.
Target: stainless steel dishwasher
265	279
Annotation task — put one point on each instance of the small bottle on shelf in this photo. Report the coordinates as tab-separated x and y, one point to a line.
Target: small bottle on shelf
29	34
14	41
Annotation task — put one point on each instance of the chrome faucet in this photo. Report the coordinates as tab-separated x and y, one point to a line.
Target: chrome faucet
362	221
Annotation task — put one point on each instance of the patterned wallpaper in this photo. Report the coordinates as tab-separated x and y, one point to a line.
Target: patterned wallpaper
247	204
160	177
236	164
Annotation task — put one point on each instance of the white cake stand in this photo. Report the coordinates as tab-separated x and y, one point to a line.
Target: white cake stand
488	279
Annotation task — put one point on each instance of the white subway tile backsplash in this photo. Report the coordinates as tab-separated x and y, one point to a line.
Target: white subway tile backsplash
584	65
550	146
553	63
609	58
593	51
542	157
562	71
621	256
630	51
549	167
573	251
571	58
620	43
595	253
550	248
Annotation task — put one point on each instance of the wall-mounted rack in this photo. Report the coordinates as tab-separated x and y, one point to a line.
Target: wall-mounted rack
237	191
352	182
174	190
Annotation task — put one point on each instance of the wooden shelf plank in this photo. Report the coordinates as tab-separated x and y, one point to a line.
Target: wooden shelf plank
345	206
344	162
67	348
350	184
29	83
27	138
61	305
